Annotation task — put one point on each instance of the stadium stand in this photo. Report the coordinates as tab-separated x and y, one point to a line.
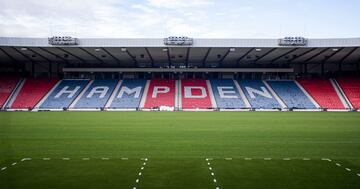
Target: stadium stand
7	86
161	93
129	94
291	94
195	94
226	94
64	94
258	95
351	88
33	90
96	95
322	91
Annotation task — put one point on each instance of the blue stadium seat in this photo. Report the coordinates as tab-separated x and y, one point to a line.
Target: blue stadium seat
64	94
291	94
258	95
97	94
129	94
226	94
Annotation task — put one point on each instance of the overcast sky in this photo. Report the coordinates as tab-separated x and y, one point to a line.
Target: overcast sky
193	18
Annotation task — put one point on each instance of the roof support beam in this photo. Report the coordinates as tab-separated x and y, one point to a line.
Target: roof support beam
132	57
317	54
48	60
150	56
333	54
301	55
7	54
29	59
112	56
206	56
187	57
67	52
283	55
270	51
243	56
57	56
43	57
347	55
87	52
223	58
13	60
168	56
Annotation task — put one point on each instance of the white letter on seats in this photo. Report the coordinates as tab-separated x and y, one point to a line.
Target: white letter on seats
66	91
263	93
128	91
160	89
223	94
102	90
188	92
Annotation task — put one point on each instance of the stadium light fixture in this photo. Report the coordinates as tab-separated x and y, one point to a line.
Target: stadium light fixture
258	49
97	49
123	49
165	49
232	49
335	49
24	49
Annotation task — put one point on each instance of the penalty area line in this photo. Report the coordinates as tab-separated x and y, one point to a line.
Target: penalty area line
137	181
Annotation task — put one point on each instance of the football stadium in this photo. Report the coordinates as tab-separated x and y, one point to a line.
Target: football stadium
179	112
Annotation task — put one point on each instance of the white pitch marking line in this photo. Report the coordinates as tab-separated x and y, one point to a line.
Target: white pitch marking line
348	169
3	168
228	158
124	158
66	159
13	164
247	159
85	159
26	159
105	158
286	159
338	164
267	159
325	159
46	159
306	159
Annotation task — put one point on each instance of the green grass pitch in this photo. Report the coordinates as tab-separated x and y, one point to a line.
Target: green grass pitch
205	150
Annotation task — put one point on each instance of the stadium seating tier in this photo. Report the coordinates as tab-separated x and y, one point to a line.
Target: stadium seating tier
322	91
351	88
195	94
32	92
7	86
291	94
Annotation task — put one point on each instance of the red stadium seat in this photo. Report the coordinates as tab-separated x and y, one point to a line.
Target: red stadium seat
199	97
351	88
161	93
322	91
32	92
7	85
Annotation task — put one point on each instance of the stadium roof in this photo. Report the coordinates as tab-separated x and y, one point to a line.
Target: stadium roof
146	52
